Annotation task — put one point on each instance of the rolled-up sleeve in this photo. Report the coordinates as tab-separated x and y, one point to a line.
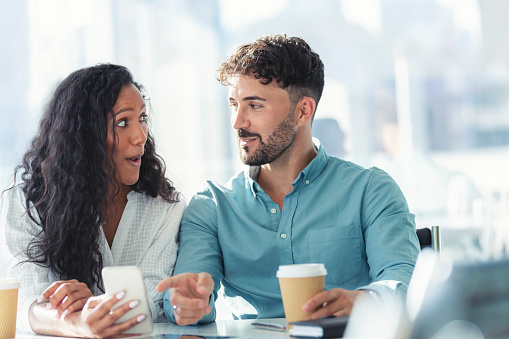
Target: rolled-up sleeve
199	249
389	230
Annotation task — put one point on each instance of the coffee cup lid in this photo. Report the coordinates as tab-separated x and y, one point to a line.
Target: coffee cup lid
301	271
8	283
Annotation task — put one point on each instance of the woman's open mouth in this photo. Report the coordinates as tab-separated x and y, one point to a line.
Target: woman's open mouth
135	161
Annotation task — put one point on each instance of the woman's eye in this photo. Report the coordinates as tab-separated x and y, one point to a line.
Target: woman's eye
144	118
122	123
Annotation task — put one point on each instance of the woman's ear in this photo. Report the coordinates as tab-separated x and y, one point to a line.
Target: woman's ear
305	110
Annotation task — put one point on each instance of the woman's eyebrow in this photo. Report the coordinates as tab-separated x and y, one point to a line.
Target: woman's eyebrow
128	109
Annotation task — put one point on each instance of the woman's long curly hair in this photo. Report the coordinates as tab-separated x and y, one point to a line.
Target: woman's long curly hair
67	172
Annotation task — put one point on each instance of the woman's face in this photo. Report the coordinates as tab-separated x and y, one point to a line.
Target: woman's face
131	129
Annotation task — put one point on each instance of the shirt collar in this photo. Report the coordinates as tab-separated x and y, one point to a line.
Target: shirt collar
132	195
251	173
310	172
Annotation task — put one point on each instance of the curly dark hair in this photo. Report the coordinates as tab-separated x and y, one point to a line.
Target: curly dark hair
289	61
67	172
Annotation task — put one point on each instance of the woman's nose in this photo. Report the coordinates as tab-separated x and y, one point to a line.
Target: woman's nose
139	136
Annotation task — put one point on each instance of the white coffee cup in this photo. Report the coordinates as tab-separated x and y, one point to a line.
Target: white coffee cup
298	284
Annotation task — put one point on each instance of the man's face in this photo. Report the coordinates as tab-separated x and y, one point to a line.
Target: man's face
264	119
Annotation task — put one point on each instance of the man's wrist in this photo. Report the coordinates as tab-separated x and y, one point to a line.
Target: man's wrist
373	295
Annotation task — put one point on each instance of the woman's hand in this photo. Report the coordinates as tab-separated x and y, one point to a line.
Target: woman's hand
66	296
97	319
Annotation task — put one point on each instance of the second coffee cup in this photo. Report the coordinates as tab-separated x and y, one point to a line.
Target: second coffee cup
8	307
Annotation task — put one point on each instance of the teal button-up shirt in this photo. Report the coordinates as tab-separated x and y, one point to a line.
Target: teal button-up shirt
353	220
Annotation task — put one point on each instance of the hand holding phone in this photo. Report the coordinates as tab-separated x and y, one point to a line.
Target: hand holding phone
130	280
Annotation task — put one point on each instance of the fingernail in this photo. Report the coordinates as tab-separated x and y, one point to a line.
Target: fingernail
134	303
141	318
200	304
41	298
66	312
49	306
57	316
120	295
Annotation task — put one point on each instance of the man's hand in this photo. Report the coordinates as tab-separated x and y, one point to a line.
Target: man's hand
337	302
189	296
66	296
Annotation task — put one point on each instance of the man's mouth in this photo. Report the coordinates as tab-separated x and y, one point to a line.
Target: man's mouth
246	141
246	138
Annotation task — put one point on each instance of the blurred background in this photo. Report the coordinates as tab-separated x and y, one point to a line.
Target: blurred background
419	88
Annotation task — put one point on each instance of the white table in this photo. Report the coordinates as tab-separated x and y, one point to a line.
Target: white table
230	328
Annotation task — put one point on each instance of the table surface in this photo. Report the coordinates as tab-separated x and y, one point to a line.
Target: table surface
222	328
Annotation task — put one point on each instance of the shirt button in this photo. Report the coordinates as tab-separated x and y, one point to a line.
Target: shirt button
307	182
273	210
283	235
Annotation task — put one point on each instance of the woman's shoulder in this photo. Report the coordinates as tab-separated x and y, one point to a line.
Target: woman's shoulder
155	212
158	202
13	207
13	195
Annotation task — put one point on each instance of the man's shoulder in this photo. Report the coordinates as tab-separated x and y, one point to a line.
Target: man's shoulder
346	171
234	184
215	197
347	167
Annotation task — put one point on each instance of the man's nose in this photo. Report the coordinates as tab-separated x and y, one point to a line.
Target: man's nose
239	118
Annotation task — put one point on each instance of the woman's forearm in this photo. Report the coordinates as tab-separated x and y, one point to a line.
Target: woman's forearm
44	321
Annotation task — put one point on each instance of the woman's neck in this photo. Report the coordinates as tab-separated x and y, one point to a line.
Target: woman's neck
114	210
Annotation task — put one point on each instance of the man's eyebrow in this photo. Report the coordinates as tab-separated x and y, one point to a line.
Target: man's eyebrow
253	97
125	109
249	98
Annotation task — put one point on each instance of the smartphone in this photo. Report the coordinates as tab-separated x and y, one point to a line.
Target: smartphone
130	280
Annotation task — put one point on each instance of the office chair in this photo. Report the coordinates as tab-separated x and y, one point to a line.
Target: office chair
429	237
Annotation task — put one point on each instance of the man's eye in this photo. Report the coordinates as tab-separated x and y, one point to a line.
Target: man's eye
255	106
233	104
122	123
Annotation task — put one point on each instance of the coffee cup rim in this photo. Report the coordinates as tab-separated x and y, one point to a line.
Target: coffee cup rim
8	283
301	270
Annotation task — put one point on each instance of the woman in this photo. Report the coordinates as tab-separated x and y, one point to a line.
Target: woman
93	194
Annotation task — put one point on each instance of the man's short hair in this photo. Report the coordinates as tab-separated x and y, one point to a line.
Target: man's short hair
290	62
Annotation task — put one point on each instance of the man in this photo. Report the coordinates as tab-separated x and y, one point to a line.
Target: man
294	204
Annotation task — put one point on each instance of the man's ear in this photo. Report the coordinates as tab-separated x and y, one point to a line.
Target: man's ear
305	109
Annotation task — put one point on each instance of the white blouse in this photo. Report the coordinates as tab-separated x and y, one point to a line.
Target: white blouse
146	237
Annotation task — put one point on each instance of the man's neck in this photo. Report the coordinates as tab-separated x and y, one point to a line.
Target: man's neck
277	178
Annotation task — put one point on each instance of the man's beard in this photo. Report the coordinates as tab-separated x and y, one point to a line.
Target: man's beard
277	143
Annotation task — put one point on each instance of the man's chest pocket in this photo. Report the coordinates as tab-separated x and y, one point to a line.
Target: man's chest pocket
339	248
